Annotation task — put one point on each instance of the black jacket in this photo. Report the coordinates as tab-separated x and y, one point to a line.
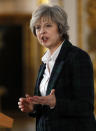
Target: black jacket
72	79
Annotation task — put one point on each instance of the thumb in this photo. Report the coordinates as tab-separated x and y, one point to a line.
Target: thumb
52	92
27	95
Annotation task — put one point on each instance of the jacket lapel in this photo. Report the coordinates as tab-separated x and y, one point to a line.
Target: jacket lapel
39	78
55	73
60	61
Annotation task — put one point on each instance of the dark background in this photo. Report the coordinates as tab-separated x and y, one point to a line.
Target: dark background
11	65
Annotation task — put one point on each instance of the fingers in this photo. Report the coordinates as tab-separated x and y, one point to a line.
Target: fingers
52	92
22	104
27	95
27	103
37	99
43	100
23	101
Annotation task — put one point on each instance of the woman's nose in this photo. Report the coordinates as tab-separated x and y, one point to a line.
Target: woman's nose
42	31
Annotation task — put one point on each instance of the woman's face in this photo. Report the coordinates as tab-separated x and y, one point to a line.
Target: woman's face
47	33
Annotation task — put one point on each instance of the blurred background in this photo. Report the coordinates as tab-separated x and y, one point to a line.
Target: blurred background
20	52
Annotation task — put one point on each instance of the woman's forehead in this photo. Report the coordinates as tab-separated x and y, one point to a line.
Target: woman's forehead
44	19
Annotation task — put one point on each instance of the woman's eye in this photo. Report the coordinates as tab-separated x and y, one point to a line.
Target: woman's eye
37	27
48	25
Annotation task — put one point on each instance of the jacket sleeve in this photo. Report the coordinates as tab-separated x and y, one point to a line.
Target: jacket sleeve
82	101
36	112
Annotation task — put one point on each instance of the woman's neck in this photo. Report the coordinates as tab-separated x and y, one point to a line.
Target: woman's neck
52	50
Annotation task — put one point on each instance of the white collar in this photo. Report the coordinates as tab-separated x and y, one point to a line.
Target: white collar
47	56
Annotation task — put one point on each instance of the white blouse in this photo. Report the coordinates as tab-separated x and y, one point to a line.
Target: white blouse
49	60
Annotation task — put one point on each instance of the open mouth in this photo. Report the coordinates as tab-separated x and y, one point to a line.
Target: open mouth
44	39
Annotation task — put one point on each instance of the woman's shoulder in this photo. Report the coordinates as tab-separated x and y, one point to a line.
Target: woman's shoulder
77	51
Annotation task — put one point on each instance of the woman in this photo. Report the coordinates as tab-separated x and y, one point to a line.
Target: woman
64	94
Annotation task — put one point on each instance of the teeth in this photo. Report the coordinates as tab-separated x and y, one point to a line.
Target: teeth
44	38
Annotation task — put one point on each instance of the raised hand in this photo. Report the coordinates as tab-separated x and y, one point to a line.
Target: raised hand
25	104
45	100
